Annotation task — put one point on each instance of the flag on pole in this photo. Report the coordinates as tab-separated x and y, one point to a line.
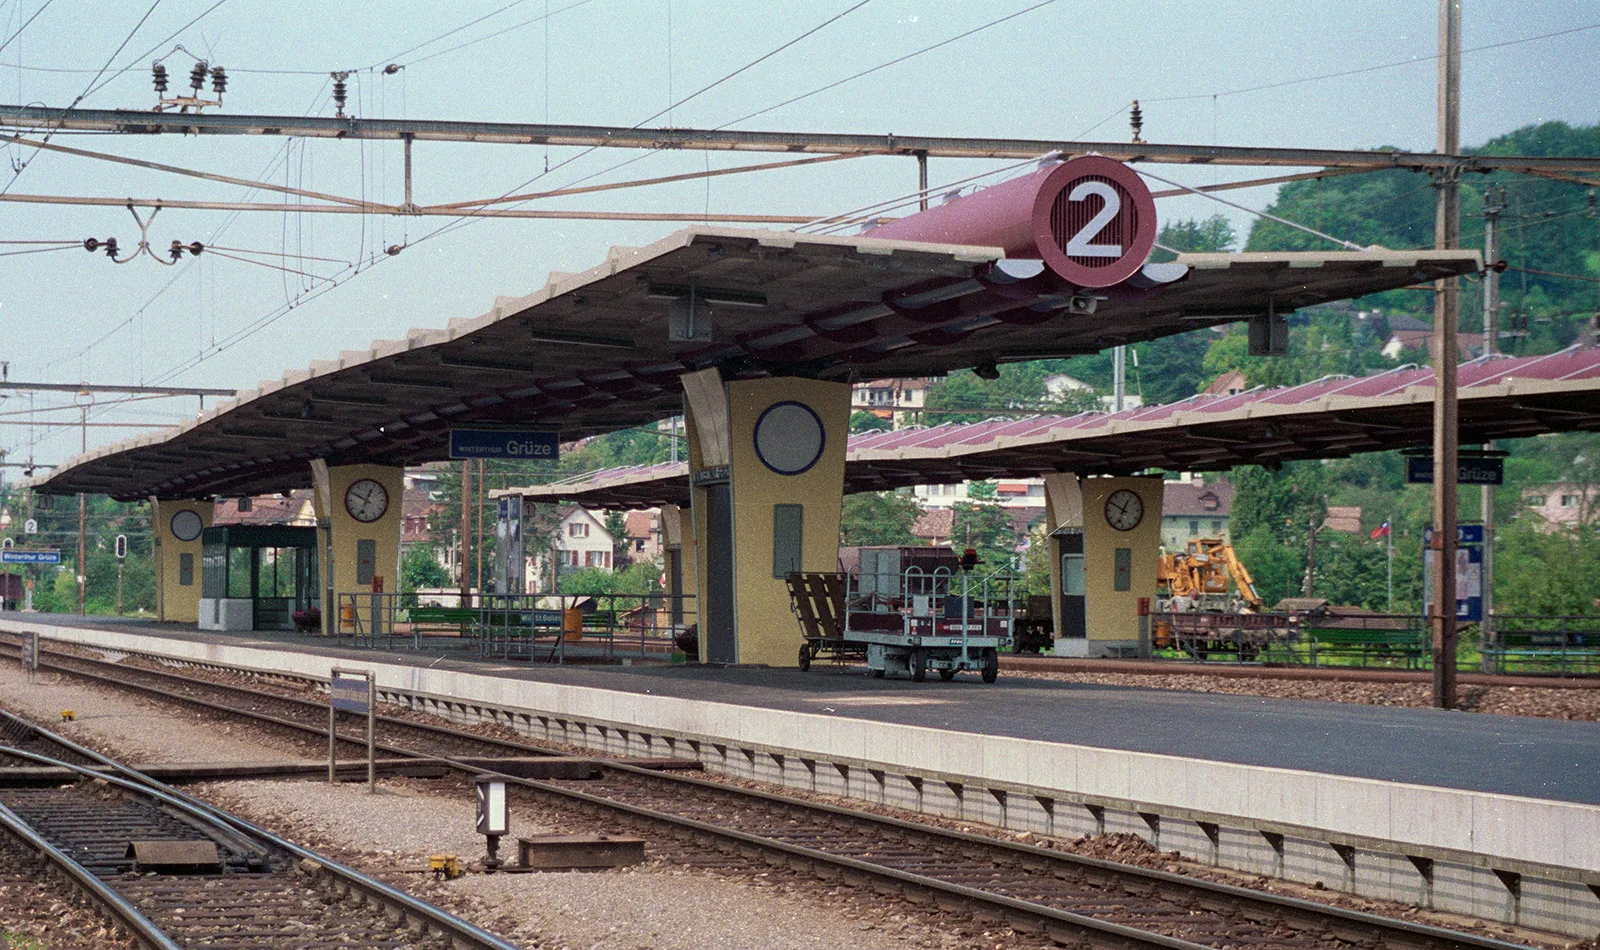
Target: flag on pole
1381	531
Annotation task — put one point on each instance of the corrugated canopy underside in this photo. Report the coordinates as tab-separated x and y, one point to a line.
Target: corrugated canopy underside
591	353
1331	418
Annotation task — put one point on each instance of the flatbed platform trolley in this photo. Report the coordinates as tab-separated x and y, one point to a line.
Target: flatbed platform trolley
910	623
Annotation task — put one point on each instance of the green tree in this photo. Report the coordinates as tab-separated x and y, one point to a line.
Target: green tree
878	518
1211	235
986	527
868	422
419	569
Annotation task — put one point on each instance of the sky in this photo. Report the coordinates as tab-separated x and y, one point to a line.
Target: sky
1312	73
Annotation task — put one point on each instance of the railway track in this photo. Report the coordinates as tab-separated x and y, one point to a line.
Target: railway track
175	873
1071	899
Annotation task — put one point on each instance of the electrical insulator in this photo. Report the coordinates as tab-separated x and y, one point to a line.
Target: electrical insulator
391	69
195	247
177	249
219	81
158	75
1136	120
111	247
339	92
197	75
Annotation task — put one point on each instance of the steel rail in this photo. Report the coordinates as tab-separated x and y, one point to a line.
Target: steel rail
320	708
157	123
1099	934
135	781
118	906
1307	914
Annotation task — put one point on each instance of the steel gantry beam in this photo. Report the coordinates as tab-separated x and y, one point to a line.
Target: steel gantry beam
34	118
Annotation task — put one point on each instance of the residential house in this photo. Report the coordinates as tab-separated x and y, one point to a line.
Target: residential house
1194	509
1564	504
642	534
578	539
1230	383
934	525
1010	493
1059	387
898	400
295	508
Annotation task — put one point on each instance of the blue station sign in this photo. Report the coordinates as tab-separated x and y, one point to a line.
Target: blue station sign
539	445
350	694
24	556
1469	471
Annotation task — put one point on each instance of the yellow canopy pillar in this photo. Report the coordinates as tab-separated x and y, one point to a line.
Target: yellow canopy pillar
677	543
358	531
179	523
1105	539
766	464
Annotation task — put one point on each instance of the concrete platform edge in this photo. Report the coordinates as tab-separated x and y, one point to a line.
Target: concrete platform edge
1521	860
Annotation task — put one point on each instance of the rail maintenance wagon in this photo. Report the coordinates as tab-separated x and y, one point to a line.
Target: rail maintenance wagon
944	619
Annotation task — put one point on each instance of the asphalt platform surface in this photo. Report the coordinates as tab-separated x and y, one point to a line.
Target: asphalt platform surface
1508	755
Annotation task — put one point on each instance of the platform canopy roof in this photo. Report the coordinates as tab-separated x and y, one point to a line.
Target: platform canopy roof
605	349
1500	397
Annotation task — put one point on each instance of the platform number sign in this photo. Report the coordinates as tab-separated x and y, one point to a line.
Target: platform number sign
30	527
1094	221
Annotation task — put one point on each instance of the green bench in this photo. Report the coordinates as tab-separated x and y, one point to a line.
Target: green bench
458	620
1407	645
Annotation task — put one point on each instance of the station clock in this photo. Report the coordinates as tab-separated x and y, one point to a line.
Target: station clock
366	500
186	525
789	437
1124	509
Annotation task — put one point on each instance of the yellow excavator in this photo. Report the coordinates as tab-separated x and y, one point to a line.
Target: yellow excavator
1201	573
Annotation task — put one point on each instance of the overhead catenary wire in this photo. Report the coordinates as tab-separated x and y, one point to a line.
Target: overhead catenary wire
45	6
88	90
278	312
1347	245
1366	69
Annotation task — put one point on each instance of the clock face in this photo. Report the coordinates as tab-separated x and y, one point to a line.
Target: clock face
366	500
186	525
1124	510
789	437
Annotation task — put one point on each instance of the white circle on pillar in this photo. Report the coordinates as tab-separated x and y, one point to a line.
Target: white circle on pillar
187	525
789	437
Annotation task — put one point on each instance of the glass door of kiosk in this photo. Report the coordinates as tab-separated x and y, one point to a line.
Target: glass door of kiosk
1074	585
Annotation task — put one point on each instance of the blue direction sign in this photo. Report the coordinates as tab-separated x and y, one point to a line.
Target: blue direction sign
533	444
23	556
1469	471
1469	571
349	694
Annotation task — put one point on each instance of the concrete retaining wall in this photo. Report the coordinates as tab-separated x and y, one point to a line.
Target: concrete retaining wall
1518	860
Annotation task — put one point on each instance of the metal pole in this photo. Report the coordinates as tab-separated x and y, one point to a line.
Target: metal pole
372	745
1389	537
1311	555
83	528
922	180
479	541
332	714
466	528
1447	233
1493	204
1119	377
409	203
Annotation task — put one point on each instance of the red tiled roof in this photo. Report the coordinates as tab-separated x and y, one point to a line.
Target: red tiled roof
266	509
934	523
1188	499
